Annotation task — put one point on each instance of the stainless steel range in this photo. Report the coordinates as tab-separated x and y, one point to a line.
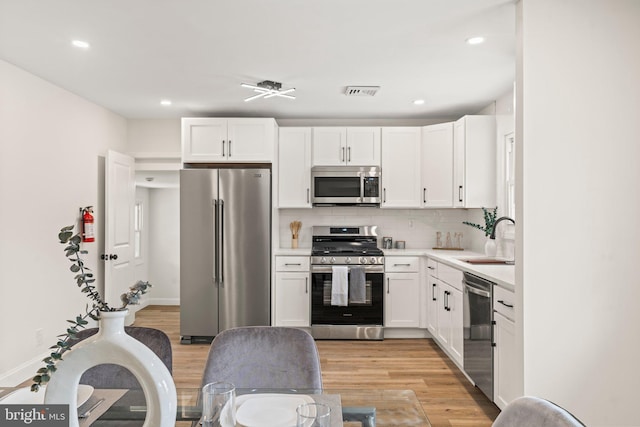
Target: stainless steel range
347	259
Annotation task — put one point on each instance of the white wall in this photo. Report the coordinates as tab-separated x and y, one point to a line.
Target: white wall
154	136
52	148
578	109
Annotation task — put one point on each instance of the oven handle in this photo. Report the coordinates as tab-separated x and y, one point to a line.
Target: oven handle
367	269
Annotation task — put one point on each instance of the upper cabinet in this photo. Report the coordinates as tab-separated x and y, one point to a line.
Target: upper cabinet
437	166
210	140
401	167
474	168
339	146
294	168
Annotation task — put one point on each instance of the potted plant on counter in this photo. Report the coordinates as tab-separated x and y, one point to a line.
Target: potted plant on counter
489	223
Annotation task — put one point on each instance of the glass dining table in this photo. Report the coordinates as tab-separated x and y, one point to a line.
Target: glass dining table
363	407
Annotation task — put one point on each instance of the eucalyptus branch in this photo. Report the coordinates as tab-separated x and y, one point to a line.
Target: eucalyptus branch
489	221
84	279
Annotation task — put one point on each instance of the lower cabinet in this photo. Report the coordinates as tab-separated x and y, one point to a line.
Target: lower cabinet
504	350
449	329
402	292
444	313
292	292
402	302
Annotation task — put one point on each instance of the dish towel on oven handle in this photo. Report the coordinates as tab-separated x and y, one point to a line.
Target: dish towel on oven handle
339	285
357	291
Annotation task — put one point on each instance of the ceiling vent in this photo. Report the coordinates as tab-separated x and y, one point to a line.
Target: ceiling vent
361	90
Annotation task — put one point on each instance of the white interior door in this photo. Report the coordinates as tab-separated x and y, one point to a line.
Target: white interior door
119	246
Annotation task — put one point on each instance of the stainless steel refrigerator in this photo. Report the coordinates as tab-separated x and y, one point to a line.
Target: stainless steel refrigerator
225	250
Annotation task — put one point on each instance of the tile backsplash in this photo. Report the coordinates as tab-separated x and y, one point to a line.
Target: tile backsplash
416	227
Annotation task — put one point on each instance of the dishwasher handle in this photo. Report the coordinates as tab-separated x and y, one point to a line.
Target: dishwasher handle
474	290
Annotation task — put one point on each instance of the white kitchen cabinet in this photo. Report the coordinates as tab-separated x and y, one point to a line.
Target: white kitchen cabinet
504	350
339	146
292	292
437	166
445	309
402	293
294	168
433	292
474	167
401	167
210	140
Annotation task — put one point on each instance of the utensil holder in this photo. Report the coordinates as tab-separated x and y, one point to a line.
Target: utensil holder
294	242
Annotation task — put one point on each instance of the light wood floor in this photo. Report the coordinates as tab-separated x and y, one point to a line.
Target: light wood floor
417	364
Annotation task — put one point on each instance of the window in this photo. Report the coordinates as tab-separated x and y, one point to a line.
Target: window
137	230
510	175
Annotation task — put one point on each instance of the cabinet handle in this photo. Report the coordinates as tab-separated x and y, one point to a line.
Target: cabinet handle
307	195
287	264
400	265
348	154
387	285
306	285
433	292
430	268
446	300
384	195
424	195
223	148
342	154
505	304
229	148
460	193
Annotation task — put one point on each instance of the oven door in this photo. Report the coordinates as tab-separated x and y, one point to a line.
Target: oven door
368	313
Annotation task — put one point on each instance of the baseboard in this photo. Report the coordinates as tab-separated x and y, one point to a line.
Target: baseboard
406	333
23	372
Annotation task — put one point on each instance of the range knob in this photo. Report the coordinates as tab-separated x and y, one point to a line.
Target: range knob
363	260
348	260
333	260
323	260
373	260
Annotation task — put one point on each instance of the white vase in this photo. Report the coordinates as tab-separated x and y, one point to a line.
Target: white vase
112	345
490	247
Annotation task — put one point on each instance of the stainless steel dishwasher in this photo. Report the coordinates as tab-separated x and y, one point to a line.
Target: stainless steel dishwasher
478	349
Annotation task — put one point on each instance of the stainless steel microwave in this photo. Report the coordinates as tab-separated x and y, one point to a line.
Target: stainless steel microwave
345	185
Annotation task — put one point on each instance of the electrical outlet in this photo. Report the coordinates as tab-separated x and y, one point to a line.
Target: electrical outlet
39	337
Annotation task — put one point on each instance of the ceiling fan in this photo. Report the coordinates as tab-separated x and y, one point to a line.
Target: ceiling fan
268	89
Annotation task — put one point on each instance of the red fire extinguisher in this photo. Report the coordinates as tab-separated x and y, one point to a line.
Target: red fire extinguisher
88	232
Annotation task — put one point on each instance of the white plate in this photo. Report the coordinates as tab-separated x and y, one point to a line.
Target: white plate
269	409
24	396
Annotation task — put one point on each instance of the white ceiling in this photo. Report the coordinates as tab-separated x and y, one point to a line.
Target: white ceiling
197	52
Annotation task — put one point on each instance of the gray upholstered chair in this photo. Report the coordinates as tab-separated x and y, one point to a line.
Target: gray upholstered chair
264	357
115	376
530	411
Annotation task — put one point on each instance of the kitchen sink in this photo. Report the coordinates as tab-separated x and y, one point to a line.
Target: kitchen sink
487	261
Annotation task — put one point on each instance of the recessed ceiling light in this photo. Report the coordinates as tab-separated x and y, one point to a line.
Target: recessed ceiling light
165	102
418	102
81	44
475	40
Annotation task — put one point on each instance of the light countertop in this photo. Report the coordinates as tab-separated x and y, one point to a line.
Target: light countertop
502	275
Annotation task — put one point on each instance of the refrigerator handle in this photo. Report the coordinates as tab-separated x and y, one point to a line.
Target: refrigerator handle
215	241
221	245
